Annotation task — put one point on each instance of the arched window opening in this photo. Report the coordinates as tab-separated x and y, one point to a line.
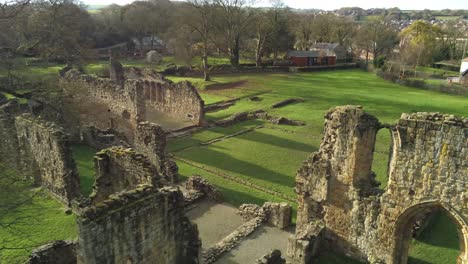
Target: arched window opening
383	142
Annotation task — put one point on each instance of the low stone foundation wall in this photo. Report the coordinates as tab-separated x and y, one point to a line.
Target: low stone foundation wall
57	252
258	114
232	240
199	188
276	214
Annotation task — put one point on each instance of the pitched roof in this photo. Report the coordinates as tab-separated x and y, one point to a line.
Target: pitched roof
310	53
330	46
465	72
465	59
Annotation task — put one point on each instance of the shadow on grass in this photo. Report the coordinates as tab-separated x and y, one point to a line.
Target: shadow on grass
222	161
412	260
260	137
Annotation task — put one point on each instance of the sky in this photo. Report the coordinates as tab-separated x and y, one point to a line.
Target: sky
335	4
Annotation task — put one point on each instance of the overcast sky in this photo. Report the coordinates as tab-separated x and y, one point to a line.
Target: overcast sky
335	4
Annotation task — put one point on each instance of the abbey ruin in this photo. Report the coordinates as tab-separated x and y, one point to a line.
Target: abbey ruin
130	96
140	212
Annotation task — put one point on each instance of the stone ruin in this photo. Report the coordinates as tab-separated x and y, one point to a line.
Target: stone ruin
274	257
130	96
133	205
135	213
40	150
198	188
340	205
150	140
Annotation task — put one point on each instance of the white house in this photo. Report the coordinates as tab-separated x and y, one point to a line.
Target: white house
464	72
464	66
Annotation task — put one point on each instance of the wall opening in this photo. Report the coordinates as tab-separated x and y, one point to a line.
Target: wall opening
382	152
428	234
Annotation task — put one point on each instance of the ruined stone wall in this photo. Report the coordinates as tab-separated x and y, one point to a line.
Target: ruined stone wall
45	154
9	155
336	190
57	252
150	140
145	225
428	169
180	101
118	169
141	96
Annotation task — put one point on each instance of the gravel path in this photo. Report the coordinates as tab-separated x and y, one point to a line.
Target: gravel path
257	245
215	221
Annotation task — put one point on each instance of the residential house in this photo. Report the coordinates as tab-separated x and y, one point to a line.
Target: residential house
339	50
311	58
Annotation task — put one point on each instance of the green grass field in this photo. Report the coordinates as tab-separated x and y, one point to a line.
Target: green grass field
41	221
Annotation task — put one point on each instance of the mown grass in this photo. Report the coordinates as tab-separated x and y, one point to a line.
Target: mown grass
256	157
41	221
84	157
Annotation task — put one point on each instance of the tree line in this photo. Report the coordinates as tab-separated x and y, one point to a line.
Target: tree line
63	30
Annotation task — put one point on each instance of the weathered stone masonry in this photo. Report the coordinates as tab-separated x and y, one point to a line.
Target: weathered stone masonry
150	140
40	150
134	215
339	205
139	226
119	169
137	97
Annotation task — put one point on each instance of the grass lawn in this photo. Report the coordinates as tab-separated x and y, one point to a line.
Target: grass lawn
41	221
84	157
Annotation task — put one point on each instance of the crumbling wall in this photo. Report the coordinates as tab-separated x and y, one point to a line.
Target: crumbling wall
57	252
139	226
428	170
101	139
337	193
119	169
180	100
135	95
150	140
45	153
9	154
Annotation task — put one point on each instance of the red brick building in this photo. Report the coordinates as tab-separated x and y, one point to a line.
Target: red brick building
311	58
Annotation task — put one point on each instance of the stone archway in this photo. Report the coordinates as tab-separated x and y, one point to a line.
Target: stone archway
403	226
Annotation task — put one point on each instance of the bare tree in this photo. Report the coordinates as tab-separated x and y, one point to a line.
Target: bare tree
264	29
303	30
233	19
199	20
